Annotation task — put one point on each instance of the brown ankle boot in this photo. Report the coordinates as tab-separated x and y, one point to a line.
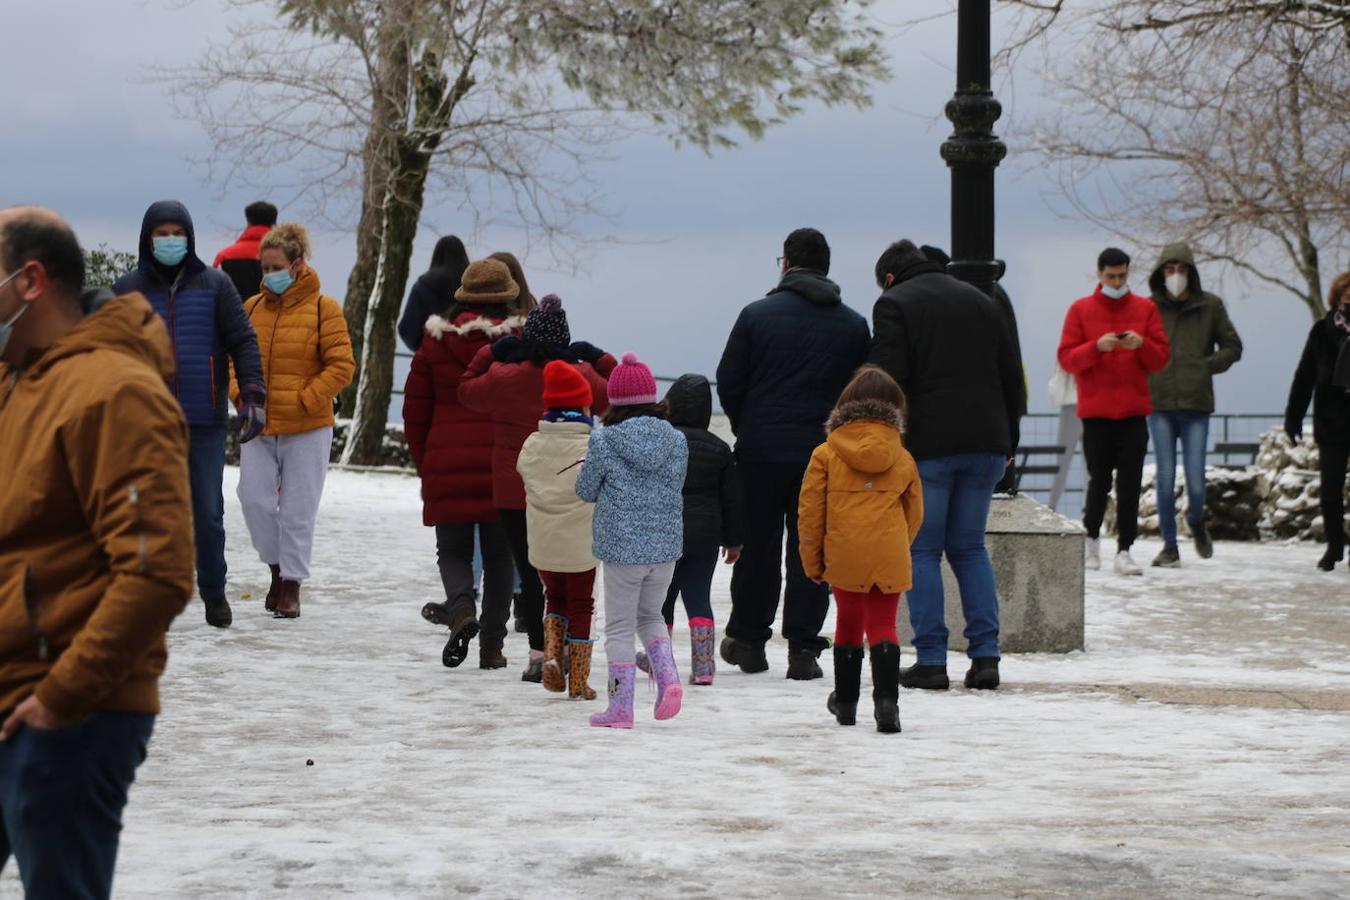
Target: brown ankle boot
555	636
579	670
288	605
274	592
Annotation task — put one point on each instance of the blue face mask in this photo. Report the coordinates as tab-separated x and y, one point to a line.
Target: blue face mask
277	282
170	251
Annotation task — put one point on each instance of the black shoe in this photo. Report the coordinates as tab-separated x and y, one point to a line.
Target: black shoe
463	629
534	671
886	687
218	614
1167	558
749	657
843	702
928	678
803	665
1204	547
436	613
490	658
1328	561
983	674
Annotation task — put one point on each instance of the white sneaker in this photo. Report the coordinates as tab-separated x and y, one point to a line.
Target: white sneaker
1092	558
1125	564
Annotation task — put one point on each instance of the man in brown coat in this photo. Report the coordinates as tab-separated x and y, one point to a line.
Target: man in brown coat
96	553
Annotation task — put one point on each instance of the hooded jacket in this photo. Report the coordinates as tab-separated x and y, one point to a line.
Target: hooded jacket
96	553
1112	385
947	346
861	503
712	486
240	260
1202	337
1314	381
634	474
558	522
432	295
205	319
785	362
450	443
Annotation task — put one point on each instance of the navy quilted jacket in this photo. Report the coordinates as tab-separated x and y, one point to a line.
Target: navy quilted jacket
205	318
788	357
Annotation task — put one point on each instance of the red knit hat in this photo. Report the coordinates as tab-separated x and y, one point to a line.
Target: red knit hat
631	383
565	387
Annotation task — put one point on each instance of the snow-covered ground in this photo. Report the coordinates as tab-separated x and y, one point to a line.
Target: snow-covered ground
429	782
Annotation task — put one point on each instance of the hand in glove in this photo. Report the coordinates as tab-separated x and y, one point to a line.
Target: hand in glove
252	413
508	349
585	352
1294	430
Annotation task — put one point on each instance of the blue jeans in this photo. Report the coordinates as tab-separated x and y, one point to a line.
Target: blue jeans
1193	430
61	794
956	496
206	472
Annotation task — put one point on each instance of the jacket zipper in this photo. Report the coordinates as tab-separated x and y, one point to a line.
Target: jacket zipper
213	381
271	353
31	608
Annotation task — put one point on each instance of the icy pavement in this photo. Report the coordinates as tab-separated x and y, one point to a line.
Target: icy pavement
1131	770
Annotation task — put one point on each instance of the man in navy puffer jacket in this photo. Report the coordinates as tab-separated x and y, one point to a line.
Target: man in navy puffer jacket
209	329
788	357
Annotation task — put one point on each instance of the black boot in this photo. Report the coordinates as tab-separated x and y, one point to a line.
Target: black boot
843	700
750	657
1335	553
928	678
983	674
218	613
886	687
803	665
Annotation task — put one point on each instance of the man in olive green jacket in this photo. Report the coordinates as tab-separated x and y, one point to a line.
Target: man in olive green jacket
1204	343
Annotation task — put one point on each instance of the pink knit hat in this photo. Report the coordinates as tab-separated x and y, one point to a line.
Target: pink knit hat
631	383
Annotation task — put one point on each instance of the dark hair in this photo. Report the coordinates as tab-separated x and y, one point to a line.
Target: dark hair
260	212
898	257
617	414
525	301
1340	286
44	238
873	383
449	252
1112	256
806	248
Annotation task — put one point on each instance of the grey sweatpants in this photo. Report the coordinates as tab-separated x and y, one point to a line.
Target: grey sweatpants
280	485
634	596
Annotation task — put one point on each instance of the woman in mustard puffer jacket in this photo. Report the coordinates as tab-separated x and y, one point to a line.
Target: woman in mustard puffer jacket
307	359
860	508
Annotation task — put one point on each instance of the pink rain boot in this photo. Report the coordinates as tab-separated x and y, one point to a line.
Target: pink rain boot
620	711
668	690
702	638
643	663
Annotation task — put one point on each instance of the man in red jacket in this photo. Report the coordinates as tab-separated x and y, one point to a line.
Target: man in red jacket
240	259
1112	341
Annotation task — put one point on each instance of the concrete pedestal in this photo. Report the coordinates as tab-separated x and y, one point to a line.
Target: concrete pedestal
1038	565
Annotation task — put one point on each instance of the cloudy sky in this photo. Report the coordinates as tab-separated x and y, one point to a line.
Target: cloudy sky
90	133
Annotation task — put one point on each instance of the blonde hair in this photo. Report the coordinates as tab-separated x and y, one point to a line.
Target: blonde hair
291	238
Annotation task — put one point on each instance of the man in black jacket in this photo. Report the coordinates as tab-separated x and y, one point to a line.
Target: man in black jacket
788	357
946	344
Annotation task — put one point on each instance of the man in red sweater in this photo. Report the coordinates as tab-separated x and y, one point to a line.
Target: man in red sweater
240	259
1112	341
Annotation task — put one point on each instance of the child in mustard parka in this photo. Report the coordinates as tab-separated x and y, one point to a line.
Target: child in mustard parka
860	509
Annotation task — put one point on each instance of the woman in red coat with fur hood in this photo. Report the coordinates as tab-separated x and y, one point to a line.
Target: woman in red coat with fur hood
452	447
506	383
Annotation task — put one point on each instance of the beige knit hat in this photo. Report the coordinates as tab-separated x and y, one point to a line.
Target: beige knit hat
487	281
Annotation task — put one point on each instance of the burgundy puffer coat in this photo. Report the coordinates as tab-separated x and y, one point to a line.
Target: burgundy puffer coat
450	443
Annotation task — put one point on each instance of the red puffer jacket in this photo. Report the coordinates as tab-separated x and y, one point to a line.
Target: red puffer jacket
511	393
1113	385
451	444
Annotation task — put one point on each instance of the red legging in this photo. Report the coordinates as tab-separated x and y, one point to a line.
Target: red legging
872	613
570	595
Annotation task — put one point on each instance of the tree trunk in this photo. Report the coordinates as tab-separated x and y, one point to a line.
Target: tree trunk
361	281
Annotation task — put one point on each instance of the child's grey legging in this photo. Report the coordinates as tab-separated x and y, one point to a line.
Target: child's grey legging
634	595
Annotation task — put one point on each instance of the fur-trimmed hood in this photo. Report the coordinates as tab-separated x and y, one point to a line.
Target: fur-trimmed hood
439	326
866	435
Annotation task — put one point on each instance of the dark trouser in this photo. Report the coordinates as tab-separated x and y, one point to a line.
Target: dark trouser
61	794
531	604
206	471
771	491
693	580
571	595
454	558
1114	446
1333	460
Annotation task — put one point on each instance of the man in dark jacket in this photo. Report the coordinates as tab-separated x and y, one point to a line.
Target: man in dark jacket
240	259
949	349
208	329
1204	343
788	357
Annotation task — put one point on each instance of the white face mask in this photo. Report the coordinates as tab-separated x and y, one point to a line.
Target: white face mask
7	328
1177	283
1116	293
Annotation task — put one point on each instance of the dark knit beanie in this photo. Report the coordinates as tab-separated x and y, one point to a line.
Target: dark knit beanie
547	324
487	281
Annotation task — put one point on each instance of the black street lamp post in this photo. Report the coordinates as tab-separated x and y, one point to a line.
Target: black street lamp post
973	151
